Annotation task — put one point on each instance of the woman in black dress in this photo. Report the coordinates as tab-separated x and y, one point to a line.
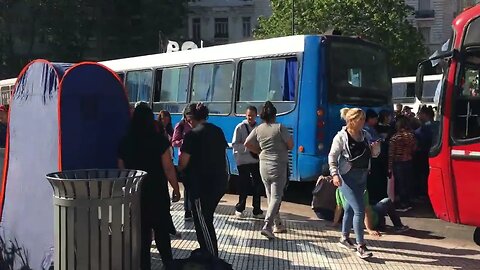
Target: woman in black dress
144	148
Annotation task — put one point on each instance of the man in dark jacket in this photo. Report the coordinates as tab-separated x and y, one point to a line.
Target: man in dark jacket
424	136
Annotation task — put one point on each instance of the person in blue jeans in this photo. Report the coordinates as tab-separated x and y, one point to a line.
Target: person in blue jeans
375	214
349	163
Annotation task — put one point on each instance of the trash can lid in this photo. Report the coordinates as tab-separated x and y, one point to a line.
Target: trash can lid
95	174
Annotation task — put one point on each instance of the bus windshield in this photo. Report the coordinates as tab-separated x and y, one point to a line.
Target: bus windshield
358	74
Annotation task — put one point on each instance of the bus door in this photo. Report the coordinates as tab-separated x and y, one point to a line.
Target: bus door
465	140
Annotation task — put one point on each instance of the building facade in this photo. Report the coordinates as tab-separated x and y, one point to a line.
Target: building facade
216	22
462	4
433	19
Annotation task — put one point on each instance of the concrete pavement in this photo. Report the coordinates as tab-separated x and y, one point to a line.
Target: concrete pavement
311	244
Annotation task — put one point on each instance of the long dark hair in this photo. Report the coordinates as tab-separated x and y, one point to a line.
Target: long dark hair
198	111
269	112
169	128
143	122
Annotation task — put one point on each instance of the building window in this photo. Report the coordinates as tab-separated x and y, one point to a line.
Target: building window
247	27
196	30
425	32
221	27
424	5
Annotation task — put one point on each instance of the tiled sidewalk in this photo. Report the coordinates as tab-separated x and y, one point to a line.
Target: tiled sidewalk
311	244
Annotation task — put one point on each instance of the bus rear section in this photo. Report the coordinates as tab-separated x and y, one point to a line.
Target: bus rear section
340	72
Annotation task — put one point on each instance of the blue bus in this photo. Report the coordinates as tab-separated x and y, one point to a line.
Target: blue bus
308	78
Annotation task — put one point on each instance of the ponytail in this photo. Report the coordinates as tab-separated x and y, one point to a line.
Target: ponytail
269	112
343	113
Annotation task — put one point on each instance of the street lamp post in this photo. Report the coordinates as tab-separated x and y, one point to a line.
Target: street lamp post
293	17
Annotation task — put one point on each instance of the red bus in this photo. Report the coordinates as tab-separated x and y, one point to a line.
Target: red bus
453	185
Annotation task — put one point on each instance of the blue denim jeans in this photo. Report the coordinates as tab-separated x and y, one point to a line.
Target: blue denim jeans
384	208
353	187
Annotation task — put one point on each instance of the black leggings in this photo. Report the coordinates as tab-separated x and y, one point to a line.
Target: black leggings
155	221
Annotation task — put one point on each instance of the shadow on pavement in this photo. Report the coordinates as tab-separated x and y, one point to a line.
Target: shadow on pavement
421	234
427	254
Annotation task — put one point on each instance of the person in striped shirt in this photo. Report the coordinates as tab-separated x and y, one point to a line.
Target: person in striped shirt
401	149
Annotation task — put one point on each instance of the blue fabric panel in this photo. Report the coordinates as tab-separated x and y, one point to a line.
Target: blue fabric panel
94	117
291	75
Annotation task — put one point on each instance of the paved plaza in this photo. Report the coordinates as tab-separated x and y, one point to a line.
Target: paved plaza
311	244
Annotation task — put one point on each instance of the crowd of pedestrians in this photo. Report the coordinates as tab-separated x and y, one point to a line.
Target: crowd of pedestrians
368	156
261	152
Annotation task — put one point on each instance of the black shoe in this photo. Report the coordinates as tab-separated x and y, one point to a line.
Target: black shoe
258	214
347	244
188	216
401	229
363	252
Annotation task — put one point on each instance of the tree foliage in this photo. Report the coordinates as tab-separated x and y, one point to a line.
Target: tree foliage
76	30
381	21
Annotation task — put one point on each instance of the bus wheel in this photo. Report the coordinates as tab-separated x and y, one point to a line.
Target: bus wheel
476	236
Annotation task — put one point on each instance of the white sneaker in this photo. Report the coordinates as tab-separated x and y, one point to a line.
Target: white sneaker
240	214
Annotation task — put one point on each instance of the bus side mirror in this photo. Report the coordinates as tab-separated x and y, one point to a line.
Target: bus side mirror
419	81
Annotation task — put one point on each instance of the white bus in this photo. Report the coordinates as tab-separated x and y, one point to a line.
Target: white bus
6	88
403	91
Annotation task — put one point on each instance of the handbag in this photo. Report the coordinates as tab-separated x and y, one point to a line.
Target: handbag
324	194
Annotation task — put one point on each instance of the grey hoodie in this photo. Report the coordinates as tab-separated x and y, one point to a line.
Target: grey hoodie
339	156
242	155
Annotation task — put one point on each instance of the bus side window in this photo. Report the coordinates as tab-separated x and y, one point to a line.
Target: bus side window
429	89
268	79
5	92
467	106
410	90
399	90
171	86
213	84
139	85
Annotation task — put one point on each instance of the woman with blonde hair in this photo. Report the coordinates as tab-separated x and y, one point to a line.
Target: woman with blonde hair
349	162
